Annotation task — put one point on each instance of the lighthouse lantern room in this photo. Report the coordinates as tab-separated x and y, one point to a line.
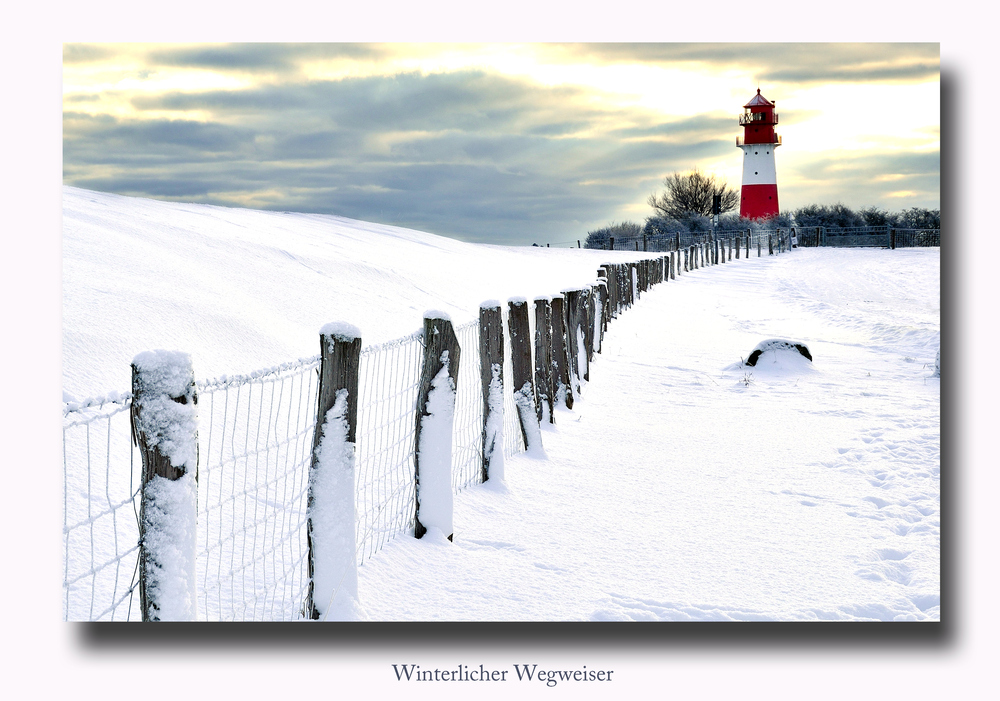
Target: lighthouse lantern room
759	196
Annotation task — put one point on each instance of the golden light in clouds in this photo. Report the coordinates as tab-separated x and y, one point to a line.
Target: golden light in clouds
585	123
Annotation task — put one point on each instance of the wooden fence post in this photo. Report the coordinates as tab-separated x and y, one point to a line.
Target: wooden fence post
611	311
892	239
435	421
491	377
560	358
609	294
590	319
165	428
330	517
673	266
575	349
521	371
544	385
770	245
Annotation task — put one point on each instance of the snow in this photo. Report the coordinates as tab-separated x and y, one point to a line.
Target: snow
434	492
332	513
494	426
170	517
340	330
166	424
682	486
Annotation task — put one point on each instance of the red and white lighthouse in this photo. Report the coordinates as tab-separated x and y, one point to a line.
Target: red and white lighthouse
759	197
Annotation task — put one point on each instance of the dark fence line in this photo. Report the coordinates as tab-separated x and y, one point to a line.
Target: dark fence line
808	236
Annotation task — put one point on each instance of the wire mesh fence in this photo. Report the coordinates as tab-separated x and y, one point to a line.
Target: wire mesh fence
388	385
100	511
255	446
255	440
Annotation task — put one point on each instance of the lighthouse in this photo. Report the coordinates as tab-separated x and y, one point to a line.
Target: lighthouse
759	196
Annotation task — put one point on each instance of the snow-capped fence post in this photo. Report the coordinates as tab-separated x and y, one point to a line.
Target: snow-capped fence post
605	272
602	312
544	385
673	265
560	360
491	376
164	417
521	371
435	424
333	576
574	337
589	314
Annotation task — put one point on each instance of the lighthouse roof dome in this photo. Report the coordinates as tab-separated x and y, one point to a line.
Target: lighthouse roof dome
759	101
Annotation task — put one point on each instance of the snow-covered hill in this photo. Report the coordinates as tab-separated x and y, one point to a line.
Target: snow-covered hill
241	289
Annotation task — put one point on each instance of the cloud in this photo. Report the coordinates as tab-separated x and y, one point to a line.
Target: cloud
470	153
776	62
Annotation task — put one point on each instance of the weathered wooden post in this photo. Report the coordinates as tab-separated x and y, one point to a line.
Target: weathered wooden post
575	348
491	377
164	417
560	357
892	239
748	246
605	273
673	265
611	246
330	516
758	246
607	270
589	316
544	385
521	371
770	245
644	242
435	421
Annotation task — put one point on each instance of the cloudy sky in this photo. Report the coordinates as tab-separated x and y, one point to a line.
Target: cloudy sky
495	143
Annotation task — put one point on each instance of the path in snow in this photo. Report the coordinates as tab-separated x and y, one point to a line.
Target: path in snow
686	486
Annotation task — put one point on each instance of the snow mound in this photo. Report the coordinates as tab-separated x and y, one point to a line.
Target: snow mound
775	346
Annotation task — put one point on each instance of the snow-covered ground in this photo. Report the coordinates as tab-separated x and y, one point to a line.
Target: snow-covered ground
683	486
687	486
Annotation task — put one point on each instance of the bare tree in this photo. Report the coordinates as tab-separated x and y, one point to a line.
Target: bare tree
692	193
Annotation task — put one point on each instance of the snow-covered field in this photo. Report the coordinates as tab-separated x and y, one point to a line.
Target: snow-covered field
684	486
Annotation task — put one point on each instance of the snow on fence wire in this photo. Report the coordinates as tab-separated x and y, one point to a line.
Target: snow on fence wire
389	380
255	446
100	511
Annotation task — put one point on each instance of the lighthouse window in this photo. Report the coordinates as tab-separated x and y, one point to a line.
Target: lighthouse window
755	172
756	153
